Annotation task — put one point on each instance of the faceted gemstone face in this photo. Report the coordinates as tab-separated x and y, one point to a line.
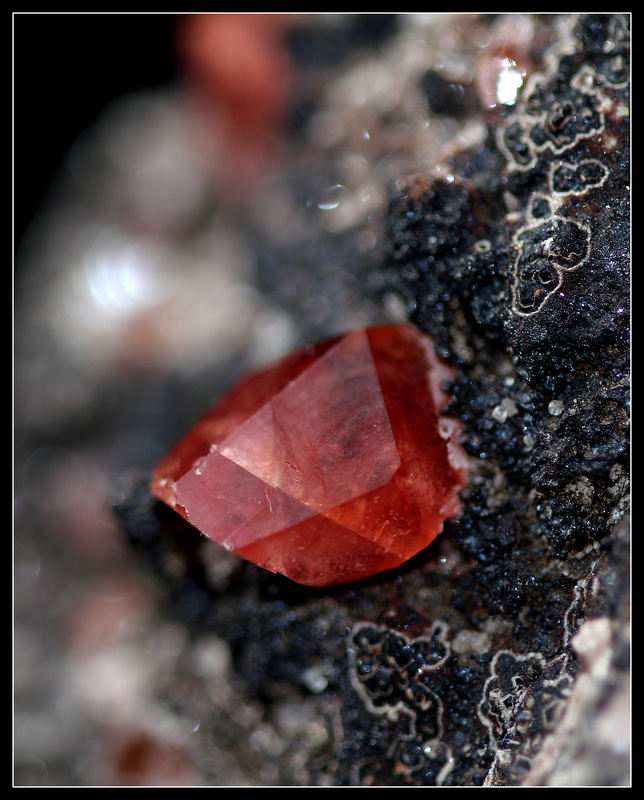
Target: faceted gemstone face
330	467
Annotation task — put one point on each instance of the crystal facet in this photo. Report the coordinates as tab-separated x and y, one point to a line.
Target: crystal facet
332	466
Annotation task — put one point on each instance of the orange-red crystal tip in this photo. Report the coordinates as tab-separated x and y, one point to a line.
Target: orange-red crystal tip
332	466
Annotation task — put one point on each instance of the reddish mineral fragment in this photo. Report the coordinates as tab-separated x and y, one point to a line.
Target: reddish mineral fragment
332	466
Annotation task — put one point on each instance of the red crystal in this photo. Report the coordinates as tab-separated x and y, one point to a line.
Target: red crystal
330	467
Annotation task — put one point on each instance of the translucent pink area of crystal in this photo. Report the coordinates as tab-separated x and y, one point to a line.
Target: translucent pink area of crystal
330	467
234	507
325	438
319	552
227	415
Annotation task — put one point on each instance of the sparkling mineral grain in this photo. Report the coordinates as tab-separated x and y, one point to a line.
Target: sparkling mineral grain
330	467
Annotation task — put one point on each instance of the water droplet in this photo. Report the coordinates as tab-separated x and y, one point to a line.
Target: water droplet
332	197
555	407
509	81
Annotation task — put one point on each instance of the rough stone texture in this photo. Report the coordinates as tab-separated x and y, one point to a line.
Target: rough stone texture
498	656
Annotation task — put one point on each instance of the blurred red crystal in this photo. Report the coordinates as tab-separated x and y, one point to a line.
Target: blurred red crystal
330	467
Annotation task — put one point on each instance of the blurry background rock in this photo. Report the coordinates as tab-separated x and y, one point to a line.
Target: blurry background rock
196	196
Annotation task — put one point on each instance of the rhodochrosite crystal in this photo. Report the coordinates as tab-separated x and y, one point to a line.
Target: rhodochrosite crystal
329	467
